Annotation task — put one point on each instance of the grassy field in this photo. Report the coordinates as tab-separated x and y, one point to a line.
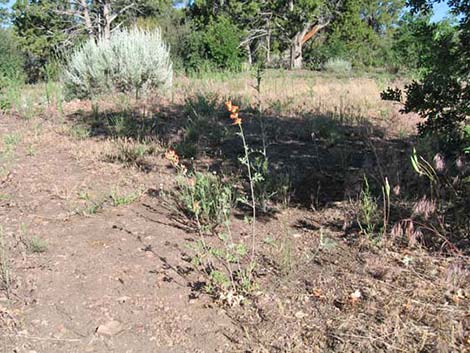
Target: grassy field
158	225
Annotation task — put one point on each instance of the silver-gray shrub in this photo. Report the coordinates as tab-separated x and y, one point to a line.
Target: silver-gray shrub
338	66
131	61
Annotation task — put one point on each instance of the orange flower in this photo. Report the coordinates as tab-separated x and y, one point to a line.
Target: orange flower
230	107
233	109
237	121
171	156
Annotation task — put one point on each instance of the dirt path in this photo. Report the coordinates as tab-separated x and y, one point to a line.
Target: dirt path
107	281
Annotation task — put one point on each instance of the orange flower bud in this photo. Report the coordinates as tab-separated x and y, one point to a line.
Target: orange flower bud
172	157
237	121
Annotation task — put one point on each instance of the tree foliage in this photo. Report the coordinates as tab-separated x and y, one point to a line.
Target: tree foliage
41	32
442	95
11	59
3	11
224	34
217	46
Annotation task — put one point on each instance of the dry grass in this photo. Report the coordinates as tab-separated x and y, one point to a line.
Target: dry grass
299	93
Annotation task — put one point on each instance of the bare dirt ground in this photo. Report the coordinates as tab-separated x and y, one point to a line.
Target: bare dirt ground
84	272
113	266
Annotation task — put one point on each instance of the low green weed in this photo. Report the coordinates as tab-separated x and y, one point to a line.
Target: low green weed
37	245
79	132
203	198
5	273
204	127
121	199
11	140
269	186
92	205
206	200
228	275
368	212
11	97
131	152
325	128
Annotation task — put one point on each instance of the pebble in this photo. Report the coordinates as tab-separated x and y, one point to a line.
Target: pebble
110	328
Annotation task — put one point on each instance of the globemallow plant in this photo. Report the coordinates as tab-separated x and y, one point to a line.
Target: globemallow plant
131	61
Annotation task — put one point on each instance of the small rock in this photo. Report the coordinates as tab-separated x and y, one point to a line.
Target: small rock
300	315
355	296
123	299
110	328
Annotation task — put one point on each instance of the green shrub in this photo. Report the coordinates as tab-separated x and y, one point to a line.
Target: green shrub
440	93
11	60
204	127
132	61
338	66
204	198
215	47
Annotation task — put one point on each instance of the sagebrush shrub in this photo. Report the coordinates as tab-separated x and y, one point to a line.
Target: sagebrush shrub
131	61
338	66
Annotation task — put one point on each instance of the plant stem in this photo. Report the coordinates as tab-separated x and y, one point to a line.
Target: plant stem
252	190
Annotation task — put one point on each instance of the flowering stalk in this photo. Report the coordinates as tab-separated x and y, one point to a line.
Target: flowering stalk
233	109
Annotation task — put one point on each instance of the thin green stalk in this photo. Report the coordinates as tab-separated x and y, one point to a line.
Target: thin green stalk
386	201
252	190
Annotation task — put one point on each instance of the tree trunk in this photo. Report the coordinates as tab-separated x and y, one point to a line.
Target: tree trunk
296	50
298	41
268	45
87	19
248	51
107	20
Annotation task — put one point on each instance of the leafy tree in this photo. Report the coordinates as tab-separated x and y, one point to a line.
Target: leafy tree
415	41
362	32
264	22
218	45
42	33
222	39
245	15
356	27
442	96
173	24
411	41
11	59
3	11
302	20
